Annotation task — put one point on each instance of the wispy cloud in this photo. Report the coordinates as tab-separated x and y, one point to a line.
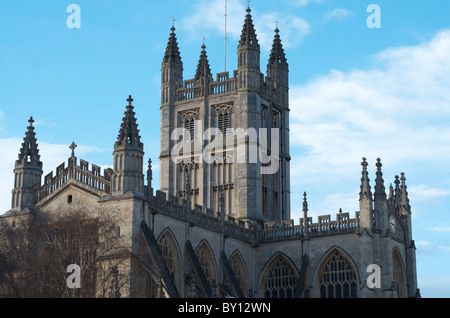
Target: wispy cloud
397	110
424	193
209	15
440	228
338	14
52	155
304	3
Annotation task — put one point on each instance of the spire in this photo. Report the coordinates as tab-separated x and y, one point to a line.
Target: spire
248	35
380	190
129	131
404	201
172	52
203	68
365	186
397	191
277	55
29	151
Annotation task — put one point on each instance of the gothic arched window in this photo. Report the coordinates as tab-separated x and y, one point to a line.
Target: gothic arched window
223	113
169	253
239	270
206	261
187	121
280	280
398	273
337	277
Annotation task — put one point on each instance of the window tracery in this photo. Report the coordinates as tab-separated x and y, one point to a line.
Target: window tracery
280	280
337	277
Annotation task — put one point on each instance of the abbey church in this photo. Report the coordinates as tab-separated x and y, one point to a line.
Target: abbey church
220	224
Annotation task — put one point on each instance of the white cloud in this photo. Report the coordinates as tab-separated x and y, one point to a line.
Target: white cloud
337	14
441	228
304	3
209	15
397	110
52	155
423	243
424	193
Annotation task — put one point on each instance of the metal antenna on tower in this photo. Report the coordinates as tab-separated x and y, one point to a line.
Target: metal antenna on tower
225	38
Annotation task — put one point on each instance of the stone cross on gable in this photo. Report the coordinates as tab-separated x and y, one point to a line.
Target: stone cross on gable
31	121
72	147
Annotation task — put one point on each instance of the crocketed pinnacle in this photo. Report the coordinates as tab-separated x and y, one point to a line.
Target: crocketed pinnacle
305	204
29	150
129	131
365	185
172	52
380	190
277	55
404	200
397	190
203	68
248	35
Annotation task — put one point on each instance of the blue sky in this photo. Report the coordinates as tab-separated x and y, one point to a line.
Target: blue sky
354	92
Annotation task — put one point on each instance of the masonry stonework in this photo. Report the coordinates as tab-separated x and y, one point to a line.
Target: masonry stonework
222	228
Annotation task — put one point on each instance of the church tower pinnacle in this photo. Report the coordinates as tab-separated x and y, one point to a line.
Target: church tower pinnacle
171	70
278	69
365	198
203	68
27	171
380	200
249	55
128	155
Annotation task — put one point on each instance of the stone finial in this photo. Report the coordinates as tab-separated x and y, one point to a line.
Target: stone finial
172	53
129	131
380	190
248	35
404	200
130	100
203	68
277	55
365	192
29	150
305	204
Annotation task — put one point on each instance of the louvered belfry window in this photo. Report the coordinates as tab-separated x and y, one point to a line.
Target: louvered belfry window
223	115
187	121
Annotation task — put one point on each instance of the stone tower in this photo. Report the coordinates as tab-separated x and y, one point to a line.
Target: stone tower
128	156
27	172
225	140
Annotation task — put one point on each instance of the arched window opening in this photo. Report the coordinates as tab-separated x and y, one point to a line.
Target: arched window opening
337	277
280	280
169	253
398	274
206	261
